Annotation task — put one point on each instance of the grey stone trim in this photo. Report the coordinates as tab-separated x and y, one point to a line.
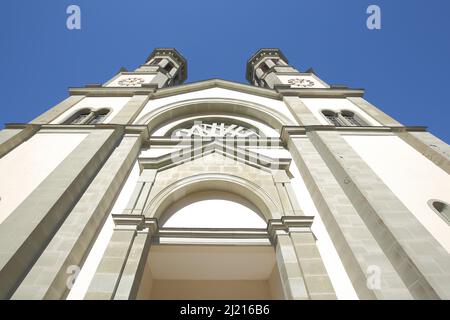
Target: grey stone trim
132	273
314	273
356	246
147	178
286	193
374	112
106	279
11	138
216	83
134	197
430	146
291	276
27	230
293	281
57	110
320	92
131	110
422	263
301	112
47	278
293	199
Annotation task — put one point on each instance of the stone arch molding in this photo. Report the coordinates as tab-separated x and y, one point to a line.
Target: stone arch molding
244	188
165	114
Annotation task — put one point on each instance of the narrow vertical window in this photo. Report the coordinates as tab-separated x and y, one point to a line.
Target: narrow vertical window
264	67
333	118
79	117
351	119
168	67
155	61
441	208
99	116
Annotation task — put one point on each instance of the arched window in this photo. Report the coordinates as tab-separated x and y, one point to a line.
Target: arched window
88	116
79	117
441	208
352	119
344	118
333	118
98	116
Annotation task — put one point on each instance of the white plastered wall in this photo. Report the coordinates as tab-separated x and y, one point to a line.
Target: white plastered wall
317	105
115	104
411	176
25	167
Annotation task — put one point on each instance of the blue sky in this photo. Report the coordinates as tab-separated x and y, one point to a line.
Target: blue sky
404	67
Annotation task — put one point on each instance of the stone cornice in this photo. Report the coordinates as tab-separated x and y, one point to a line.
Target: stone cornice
206	147
289	224
331	92
287	131
278	93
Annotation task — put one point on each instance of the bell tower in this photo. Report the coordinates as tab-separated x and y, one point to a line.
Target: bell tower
165	67
269	68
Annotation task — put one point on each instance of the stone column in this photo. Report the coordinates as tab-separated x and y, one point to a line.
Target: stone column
302	272
291	276
133	270
419	259
47	279
287	196
57	110
123	261
139	197
29	228
355	244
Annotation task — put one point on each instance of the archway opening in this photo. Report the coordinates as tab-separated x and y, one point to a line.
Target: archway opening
213	209
230	272
214	268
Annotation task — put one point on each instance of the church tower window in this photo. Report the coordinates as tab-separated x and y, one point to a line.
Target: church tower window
352	119
79	117
98	116
441	208
333	118
88	116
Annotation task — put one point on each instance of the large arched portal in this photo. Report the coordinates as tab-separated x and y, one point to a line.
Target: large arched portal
213	214
207	249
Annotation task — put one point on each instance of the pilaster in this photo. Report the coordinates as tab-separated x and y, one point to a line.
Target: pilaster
29	228
302	273
419	259
47	278
122	264
355	244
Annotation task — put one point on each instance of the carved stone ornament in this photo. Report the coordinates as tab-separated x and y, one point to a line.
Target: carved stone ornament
216	130
131	82
301	83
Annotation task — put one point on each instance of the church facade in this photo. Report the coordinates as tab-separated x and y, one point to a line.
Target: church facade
284	188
